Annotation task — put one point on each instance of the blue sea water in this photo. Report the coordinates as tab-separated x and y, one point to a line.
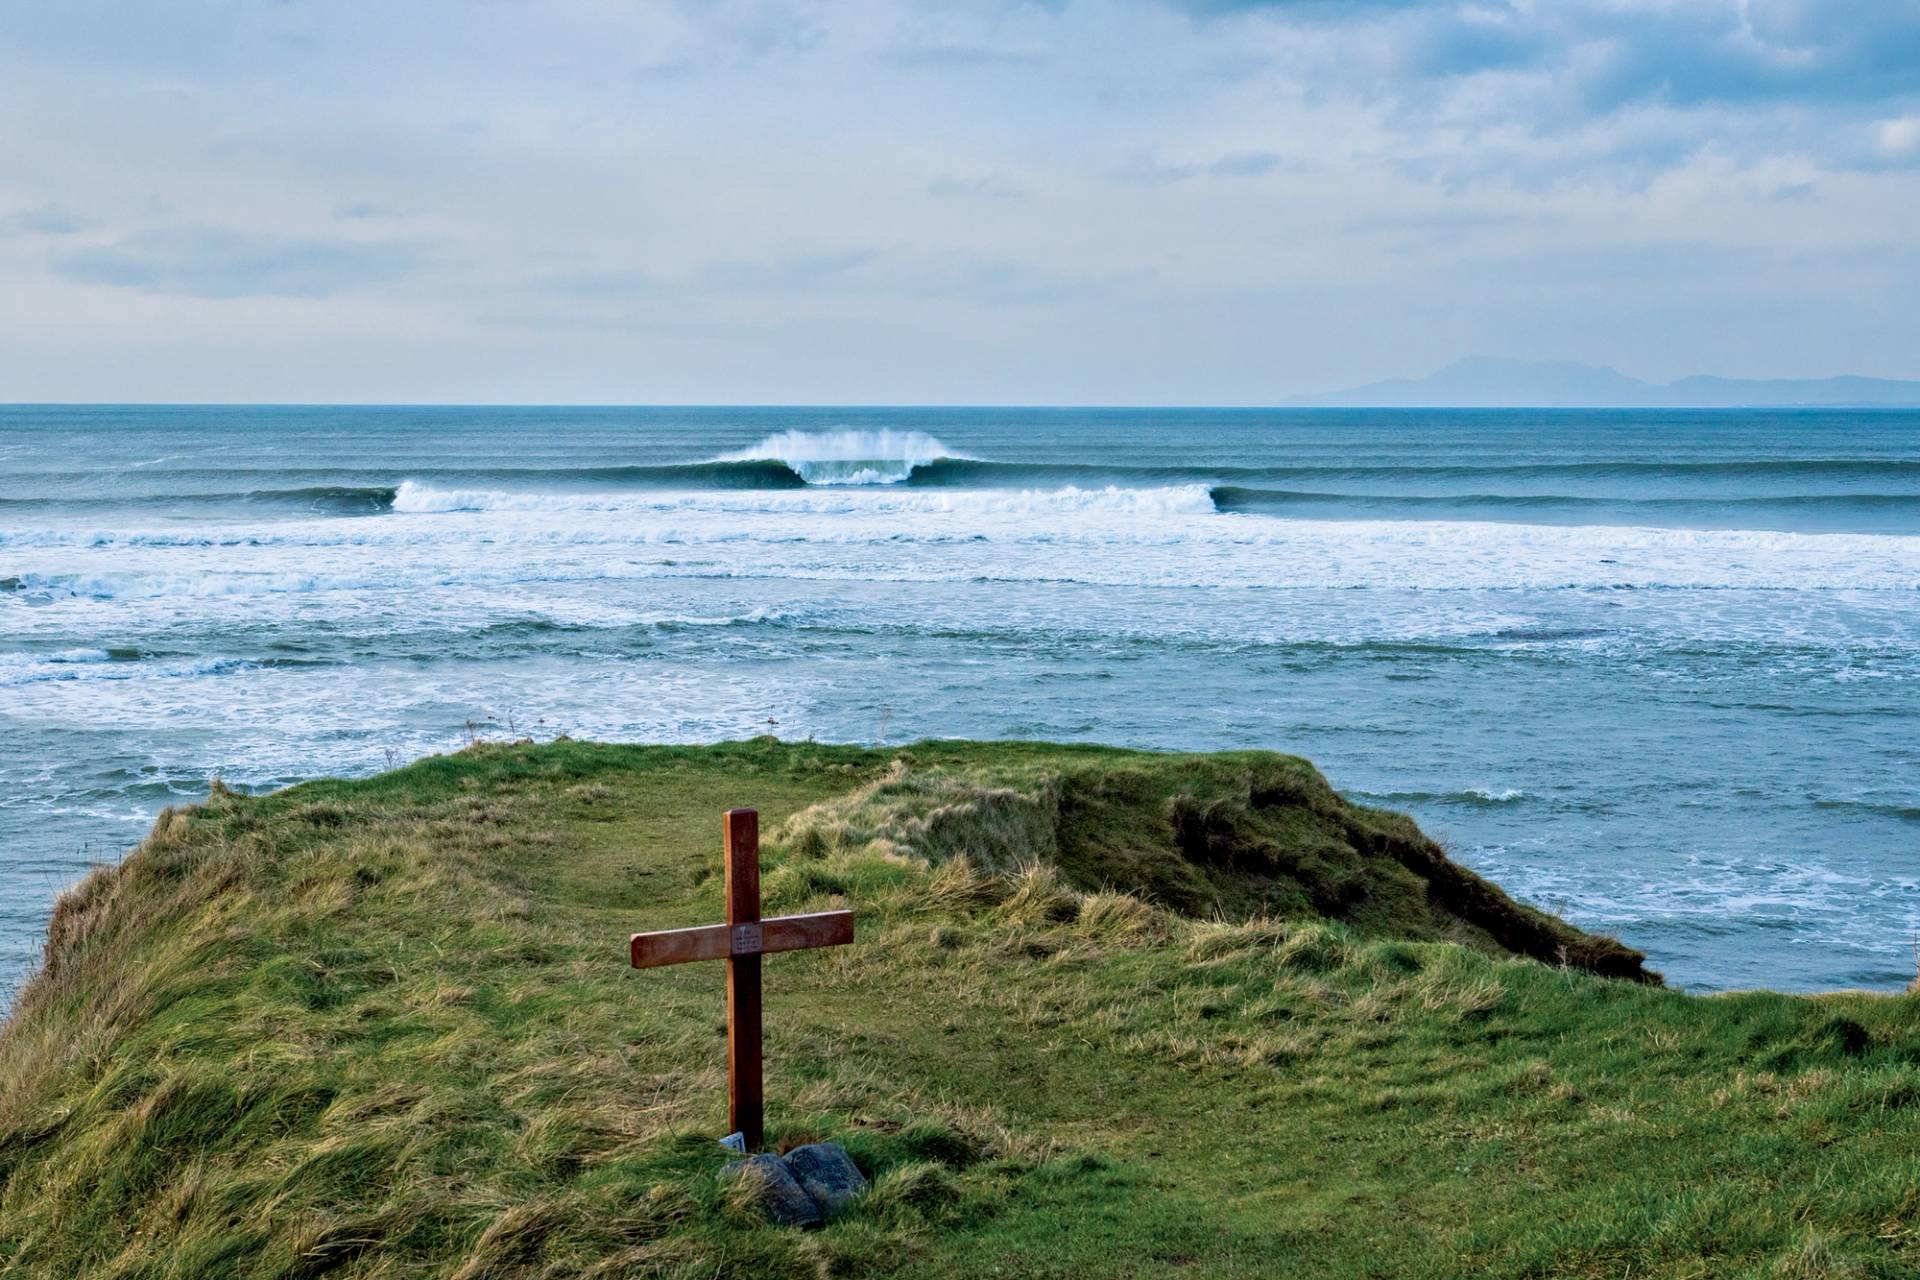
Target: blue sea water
1659	672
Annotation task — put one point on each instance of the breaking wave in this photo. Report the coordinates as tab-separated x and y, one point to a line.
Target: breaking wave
848	457
1863	494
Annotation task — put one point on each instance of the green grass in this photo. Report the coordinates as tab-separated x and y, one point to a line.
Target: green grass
1109	1014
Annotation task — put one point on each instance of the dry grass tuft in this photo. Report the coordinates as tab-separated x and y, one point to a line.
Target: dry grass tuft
933	816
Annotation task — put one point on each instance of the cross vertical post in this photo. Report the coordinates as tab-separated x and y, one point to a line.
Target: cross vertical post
745	1105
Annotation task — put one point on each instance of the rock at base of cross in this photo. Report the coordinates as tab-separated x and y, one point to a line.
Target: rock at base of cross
777	1191
806	1187
827	1174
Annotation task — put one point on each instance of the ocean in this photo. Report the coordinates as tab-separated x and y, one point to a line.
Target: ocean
1656	671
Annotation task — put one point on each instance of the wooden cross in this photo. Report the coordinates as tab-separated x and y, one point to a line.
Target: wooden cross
741	941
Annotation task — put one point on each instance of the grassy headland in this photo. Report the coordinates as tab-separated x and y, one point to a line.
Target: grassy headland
1109	1014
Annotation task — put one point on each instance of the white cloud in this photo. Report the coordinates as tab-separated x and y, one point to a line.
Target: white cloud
1005	200
1899	138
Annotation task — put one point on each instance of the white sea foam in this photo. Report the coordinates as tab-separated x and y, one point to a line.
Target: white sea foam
413	498
591	615
1704	890
848	457
18	669
1159	537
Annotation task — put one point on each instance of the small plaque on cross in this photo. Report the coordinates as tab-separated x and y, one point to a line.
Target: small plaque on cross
741	941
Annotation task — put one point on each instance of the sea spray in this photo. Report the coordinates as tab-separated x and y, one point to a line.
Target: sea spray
849	457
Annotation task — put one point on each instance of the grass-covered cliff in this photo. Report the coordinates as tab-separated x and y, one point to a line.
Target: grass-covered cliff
1109	1014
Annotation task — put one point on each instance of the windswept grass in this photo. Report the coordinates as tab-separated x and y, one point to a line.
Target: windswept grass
1109	1014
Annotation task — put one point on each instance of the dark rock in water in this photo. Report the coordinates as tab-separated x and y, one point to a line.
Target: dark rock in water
828	1174
777	1191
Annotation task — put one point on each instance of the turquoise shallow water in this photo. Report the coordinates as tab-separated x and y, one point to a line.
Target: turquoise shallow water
1656	671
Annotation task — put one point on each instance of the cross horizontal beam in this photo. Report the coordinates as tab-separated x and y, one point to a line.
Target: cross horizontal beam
721	941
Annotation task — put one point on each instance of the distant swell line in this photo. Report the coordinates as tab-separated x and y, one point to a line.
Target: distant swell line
963	471
776	476
1243	498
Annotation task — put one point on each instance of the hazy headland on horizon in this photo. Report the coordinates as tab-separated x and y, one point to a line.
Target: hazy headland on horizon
1491	382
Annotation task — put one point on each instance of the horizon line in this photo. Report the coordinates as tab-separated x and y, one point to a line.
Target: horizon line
869	406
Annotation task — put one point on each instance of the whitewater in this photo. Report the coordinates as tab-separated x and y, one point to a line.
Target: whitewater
1655	672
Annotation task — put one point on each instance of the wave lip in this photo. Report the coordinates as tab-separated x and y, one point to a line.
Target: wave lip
848	457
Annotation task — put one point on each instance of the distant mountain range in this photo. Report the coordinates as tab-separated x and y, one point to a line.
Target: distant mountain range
1487	382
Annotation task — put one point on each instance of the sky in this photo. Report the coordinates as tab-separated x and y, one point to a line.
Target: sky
1008	201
